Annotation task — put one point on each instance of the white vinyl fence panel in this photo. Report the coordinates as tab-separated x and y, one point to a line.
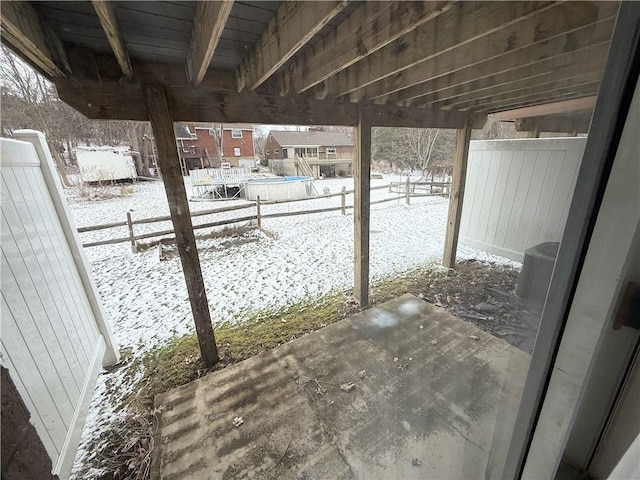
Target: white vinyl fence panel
517	193
54	336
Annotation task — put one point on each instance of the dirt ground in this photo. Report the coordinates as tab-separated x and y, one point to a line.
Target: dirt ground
485	295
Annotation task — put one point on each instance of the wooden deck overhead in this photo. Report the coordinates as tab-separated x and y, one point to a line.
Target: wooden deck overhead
424	64
429	64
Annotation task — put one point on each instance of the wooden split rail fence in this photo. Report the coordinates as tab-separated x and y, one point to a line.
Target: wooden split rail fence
407	191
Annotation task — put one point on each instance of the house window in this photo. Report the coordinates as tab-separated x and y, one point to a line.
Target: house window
331	150
276	151
267	152
236	151
236	133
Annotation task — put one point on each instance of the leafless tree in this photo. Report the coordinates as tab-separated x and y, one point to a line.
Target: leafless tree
30	101
259	139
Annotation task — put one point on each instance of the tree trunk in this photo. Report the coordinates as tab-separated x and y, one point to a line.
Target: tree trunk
72	158
59	161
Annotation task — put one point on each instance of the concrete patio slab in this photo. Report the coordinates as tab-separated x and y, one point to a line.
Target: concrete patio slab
433	397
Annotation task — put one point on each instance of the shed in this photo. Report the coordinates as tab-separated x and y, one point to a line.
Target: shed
105	165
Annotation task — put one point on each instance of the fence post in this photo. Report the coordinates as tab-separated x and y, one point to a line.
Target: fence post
407	190
258	217
344	200
132	239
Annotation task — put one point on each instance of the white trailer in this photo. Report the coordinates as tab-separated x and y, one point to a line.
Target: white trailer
105	165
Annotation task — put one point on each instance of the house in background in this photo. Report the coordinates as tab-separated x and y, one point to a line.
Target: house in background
192	155
311	153
237	145
198	146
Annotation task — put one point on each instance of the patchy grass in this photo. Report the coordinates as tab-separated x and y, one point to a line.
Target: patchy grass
178	362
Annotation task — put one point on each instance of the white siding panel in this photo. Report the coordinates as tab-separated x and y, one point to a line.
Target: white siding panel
517	193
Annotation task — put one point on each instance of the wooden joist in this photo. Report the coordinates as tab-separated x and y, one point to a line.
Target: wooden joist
293	25
535	93
117	101
465	23
564	107
208	25
28	34
369	28
530	40
107	15
558	95
456	197
486	43
457	86
169	162
362	207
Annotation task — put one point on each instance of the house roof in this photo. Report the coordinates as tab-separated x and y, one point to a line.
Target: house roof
182	131
311	139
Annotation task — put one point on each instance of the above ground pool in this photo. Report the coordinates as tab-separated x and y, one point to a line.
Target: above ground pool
273	189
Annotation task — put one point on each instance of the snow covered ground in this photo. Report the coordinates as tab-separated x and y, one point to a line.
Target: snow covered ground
305	257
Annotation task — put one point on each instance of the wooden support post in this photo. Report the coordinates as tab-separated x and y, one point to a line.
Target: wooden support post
258	216
456	195
344	200
169	162
407	193
132	238
361	208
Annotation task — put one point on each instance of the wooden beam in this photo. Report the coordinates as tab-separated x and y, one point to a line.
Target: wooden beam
208	25
456	197
370	27
33	39
532	29
559	52
361	208
578	123
107	15
169	163
117	101
292	26
567	106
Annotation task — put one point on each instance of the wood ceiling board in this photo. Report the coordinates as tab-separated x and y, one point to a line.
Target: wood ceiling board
177	10
252	12
138	39
130	20
79	18
137	50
